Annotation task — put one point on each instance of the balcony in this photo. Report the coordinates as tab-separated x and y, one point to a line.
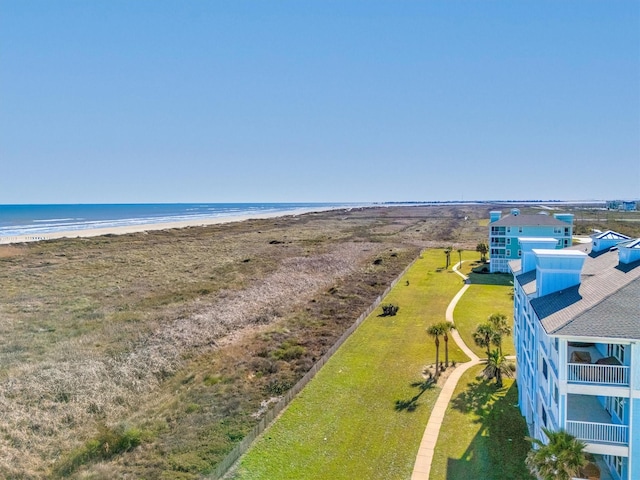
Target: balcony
592	432
600	374
587	366
589	421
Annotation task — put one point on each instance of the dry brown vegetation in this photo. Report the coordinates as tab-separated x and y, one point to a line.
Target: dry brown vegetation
150	355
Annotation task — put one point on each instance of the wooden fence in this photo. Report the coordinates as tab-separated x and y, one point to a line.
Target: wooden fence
241	448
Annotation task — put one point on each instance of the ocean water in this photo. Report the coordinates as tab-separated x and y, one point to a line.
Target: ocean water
35	220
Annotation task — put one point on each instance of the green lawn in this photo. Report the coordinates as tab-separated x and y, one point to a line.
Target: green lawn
345	424
475	306
482	436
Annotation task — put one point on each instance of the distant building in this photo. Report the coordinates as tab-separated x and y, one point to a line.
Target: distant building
623	205
577	340
505	231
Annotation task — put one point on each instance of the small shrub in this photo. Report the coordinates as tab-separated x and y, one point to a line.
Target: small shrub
188	462
377	261
278	386
263	366
211	380
109	442
389	310
289	350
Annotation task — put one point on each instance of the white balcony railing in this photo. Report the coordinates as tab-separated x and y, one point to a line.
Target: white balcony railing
603	374
599	432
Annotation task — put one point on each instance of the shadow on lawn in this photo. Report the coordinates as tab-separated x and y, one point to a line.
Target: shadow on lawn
490	279
411	404
498	450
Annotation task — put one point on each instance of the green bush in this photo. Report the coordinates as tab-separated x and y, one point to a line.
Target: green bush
109	442
389	310
289	350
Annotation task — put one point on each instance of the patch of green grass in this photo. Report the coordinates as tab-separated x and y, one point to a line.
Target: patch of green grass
345	424
475	306
482	435
288	350
108	443
476	278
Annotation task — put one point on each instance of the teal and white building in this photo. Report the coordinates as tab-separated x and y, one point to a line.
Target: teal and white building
577	341
504	232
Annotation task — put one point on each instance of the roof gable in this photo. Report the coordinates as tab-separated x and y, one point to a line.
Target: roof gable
610	235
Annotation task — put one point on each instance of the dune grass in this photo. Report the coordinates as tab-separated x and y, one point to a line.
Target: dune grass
346	423
476	305
482	435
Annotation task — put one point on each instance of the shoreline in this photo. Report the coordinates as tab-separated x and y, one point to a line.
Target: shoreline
126	229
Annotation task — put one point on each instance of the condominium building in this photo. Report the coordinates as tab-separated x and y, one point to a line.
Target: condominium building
504	232
577	339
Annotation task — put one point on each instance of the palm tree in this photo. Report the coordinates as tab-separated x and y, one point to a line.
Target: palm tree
497	366
460	255
483	249
447	252
483	336
501	328
435	331
446	328
560	459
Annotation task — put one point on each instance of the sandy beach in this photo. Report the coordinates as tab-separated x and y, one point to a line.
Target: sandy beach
123	230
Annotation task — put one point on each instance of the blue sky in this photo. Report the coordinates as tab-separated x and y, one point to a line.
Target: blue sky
236	101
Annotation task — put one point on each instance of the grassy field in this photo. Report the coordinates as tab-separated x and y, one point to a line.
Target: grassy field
474	308
482	436
345	424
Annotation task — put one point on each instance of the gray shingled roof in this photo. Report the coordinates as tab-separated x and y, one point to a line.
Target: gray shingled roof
605	304
617	316
528	221
528	281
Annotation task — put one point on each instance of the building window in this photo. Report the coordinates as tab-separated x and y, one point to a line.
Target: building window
508	241
557	230
616	464
566	242
508	229
519	253
545	370
508	253
544	417
519	229
555	393
618	407
615	350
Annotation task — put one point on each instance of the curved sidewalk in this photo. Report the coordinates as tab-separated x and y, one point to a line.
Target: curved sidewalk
422	467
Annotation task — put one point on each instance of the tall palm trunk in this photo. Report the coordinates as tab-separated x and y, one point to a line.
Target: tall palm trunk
446	350
437	357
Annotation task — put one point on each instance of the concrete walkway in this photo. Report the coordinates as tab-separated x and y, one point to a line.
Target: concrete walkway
422	467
